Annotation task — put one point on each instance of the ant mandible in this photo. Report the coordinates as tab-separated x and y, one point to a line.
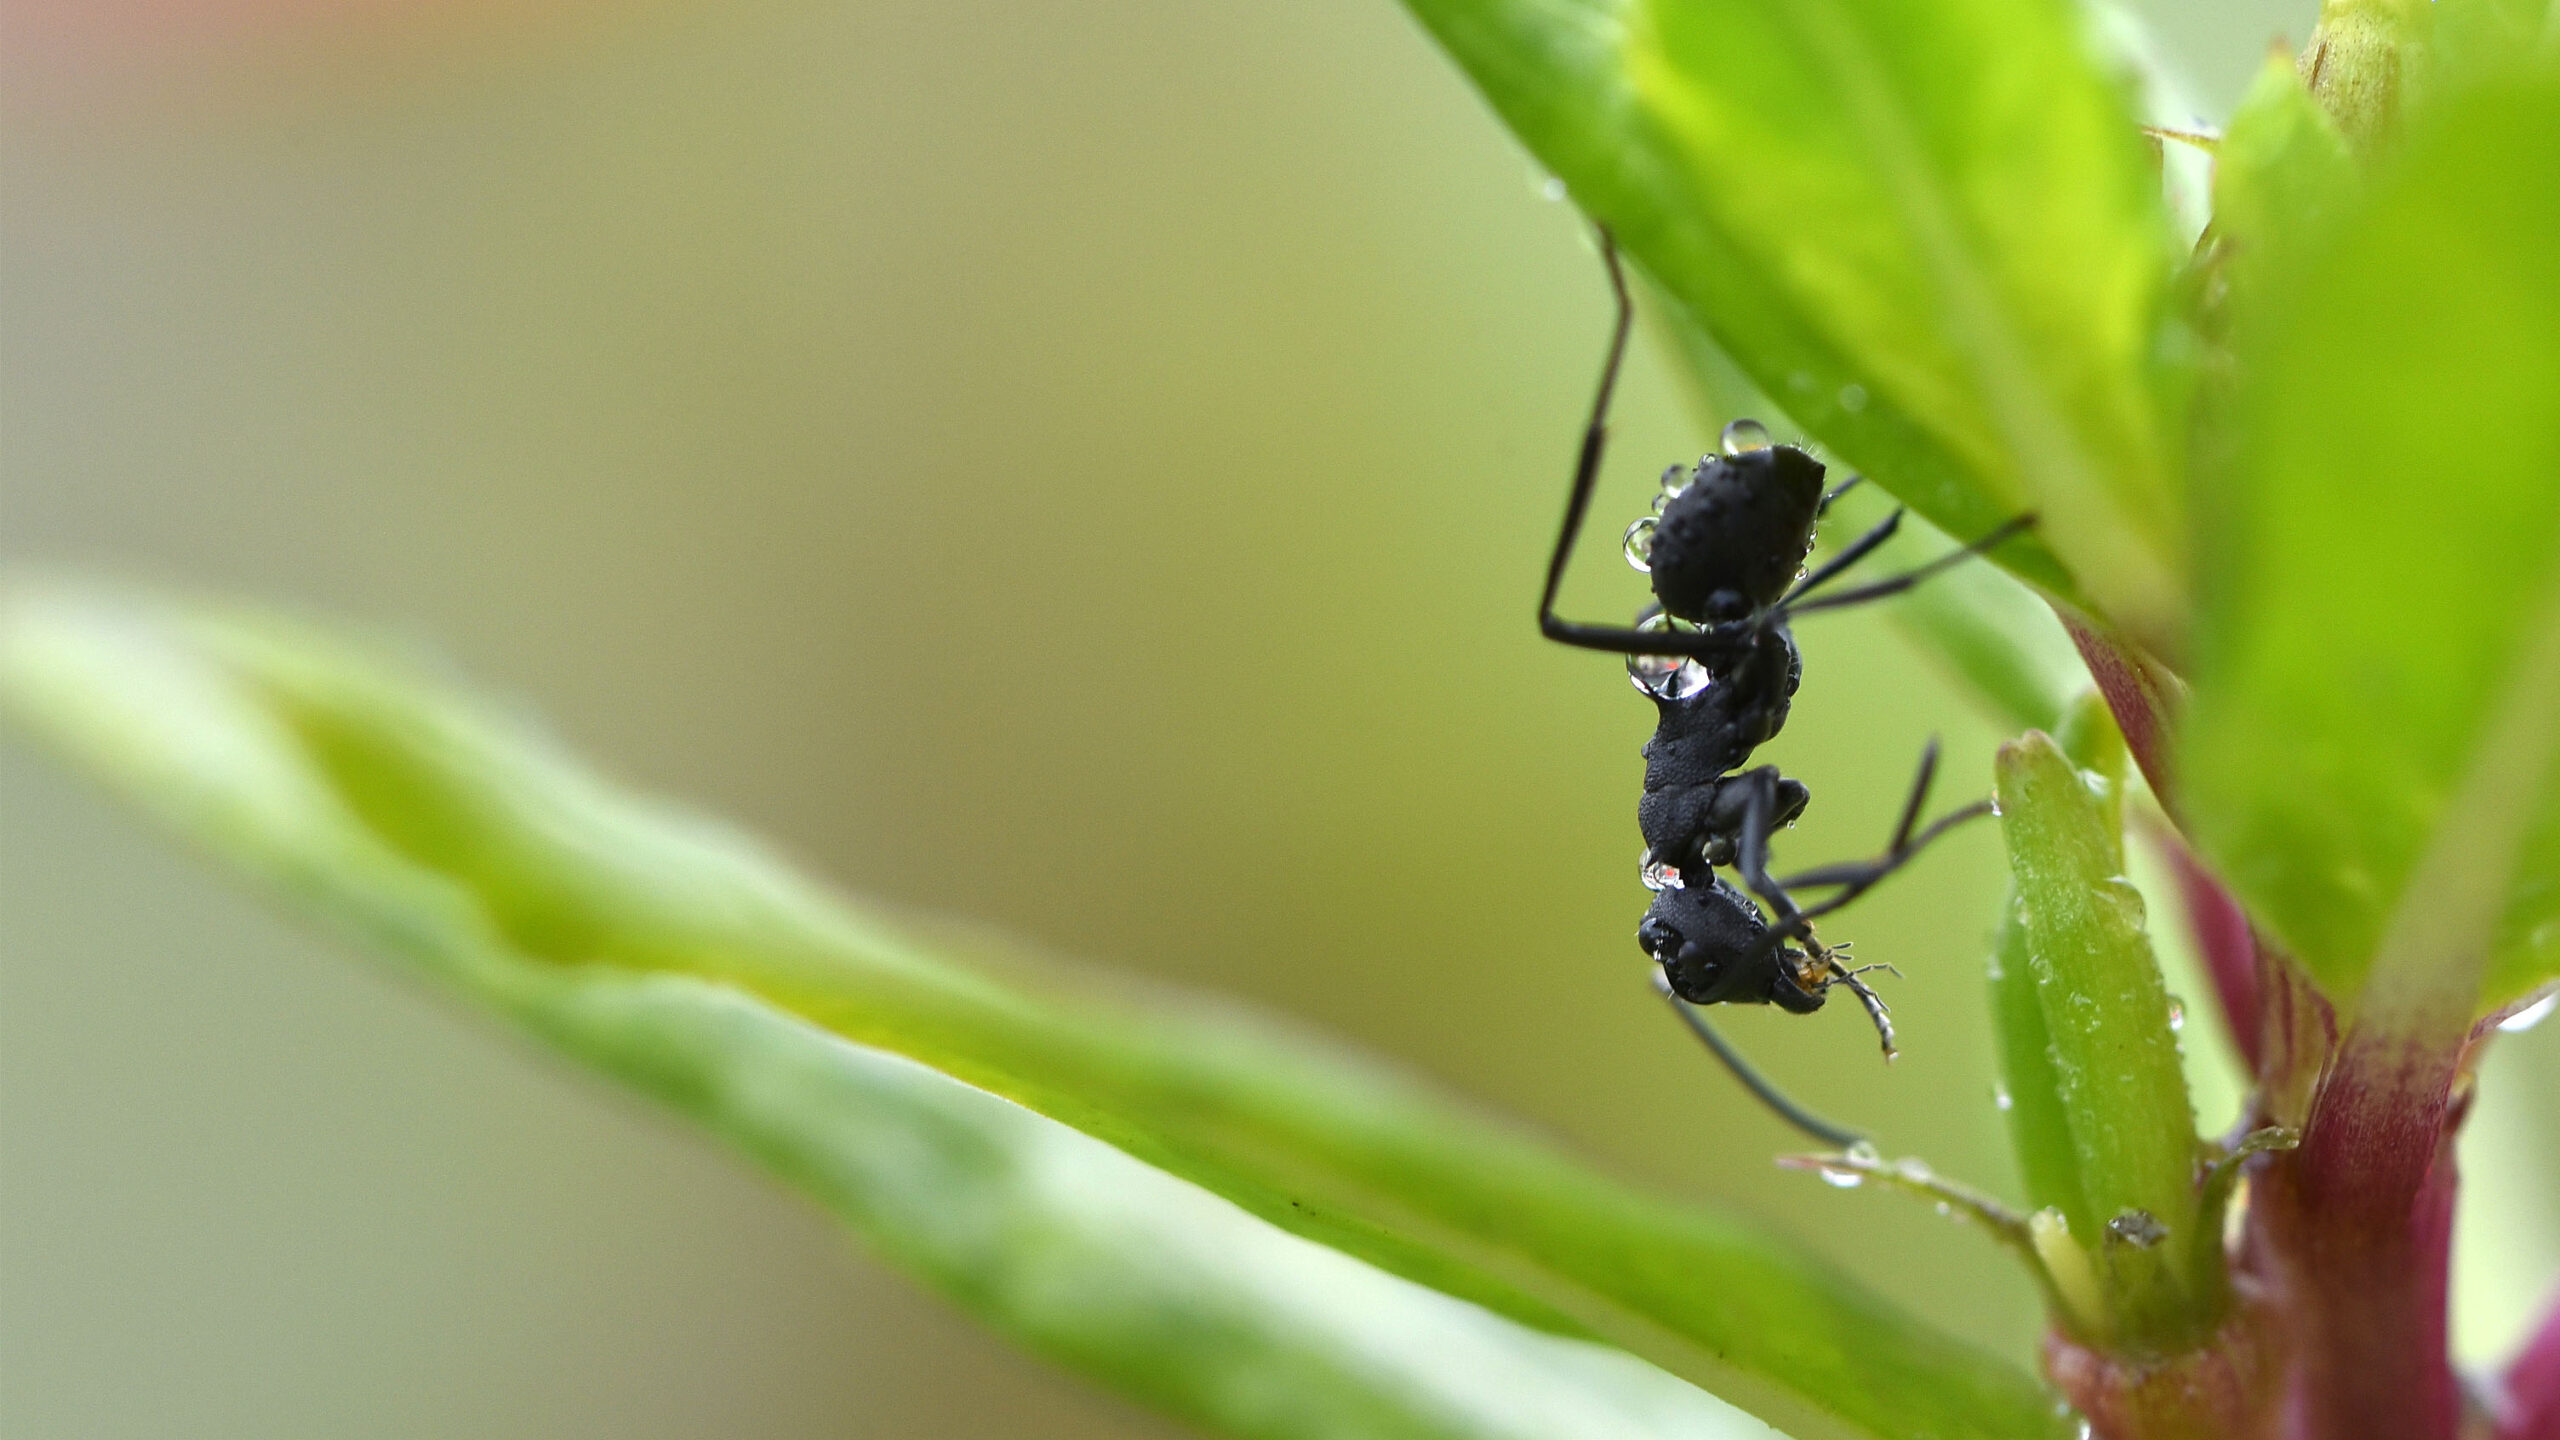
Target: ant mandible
1725	550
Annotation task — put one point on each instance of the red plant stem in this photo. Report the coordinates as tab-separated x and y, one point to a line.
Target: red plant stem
2136	690
2350	1238
2530	1407
2223	937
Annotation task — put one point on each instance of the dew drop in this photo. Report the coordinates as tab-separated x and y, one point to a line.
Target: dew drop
1674	480
2000	1098
1744	436
1853	398
2138	1228
1656	875
1640	544
1668	677
2531	1015
1552	189
1943	1208
1840	1177
2177	1013
1864	1152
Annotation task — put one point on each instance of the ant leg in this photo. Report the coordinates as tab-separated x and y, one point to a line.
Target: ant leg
1752	1080
1613	639
1895	585
1595	443
1856	551
1858	877
1751	849
1843	488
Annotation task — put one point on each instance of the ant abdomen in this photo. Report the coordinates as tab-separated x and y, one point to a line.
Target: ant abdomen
1729	542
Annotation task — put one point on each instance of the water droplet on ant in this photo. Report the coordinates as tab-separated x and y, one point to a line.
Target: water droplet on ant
1656	875
1668	677
2177	1013
1853	398
1744	436
1640	544
2531	1015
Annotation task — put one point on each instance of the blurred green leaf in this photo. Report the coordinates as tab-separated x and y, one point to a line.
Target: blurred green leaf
2281	175
2377	693
1933	233
461	842
2472	41
2114	1058
1107	1264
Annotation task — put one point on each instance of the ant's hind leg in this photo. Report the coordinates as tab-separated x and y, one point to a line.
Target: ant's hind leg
1752	1080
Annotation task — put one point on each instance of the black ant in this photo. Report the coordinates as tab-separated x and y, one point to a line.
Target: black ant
1725	549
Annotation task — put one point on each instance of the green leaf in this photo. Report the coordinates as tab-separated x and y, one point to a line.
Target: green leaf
1106	1264
2281	177
2473	41
1932	232
2114	1057
2377	690
2030	1090
456	840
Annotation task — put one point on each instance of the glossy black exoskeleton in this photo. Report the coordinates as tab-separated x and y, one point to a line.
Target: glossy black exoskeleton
1725	551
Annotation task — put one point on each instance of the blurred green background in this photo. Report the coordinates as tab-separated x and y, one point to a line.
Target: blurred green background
1078	468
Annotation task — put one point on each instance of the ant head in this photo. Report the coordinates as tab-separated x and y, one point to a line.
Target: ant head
1712	945
1733	531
